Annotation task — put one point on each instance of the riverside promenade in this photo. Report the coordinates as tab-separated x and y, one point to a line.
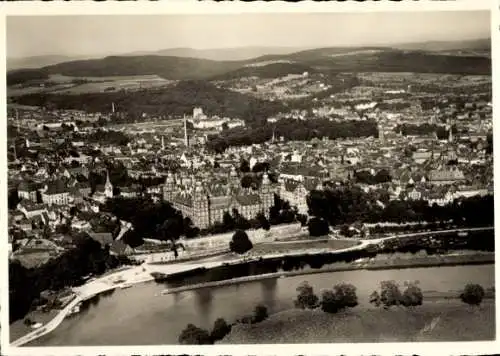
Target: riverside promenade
141	274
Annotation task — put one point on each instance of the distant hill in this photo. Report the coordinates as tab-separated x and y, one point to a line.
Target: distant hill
439	46
340	59
37	61
272	70
220	54
176	68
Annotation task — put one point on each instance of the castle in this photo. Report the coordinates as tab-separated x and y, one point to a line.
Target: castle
206	202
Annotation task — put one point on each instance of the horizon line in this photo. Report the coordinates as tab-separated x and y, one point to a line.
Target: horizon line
300	48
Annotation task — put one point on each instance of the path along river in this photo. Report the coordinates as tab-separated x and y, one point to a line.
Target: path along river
140	315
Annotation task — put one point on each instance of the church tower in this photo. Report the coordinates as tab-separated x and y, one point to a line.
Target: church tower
108	187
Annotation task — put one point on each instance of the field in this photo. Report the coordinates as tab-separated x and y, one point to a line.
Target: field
425	78
62	84
434	321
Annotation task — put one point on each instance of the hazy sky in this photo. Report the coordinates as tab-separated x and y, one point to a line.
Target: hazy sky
100	35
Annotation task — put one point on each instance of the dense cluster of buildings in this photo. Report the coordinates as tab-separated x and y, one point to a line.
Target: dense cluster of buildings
53	164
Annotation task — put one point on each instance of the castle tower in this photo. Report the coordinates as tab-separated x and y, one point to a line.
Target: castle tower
201	209
169	187
266	194
108	187
163	143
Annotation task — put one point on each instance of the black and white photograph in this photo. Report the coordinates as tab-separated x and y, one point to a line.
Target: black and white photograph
250	178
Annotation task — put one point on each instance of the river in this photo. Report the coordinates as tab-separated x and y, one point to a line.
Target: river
141	316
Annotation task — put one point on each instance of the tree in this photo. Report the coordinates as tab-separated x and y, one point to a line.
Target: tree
244	166
329	301
318	227
341	297
346	294
263	222
306	299
240	242
302	219
246	181
228	220
412	296
390	294
260	313
375	299
472	294
220	329
193	335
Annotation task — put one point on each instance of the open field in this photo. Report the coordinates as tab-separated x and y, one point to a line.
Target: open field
434	321
425	78
62	84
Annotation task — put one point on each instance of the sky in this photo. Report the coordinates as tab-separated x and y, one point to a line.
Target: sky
90	35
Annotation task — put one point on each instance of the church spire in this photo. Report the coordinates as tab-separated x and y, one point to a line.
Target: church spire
108	187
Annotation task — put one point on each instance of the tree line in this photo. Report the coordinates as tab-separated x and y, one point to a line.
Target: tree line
173	101
347	205
87	257
293	130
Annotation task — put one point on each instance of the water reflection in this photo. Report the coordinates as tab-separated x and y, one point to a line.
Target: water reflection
203	304
268	288
201	307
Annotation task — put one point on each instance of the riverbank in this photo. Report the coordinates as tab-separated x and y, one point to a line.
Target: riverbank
141	274
419	262
433	321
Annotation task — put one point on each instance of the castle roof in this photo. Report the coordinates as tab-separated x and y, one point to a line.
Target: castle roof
56	187
250	199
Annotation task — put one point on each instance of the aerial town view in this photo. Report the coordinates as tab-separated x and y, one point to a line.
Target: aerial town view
221	179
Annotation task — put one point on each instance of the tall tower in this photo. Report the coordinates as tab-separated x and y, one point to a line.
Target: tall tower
201	211
168	189
108	187
112	107
381	136
450	131
266	194
186	138
163	143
